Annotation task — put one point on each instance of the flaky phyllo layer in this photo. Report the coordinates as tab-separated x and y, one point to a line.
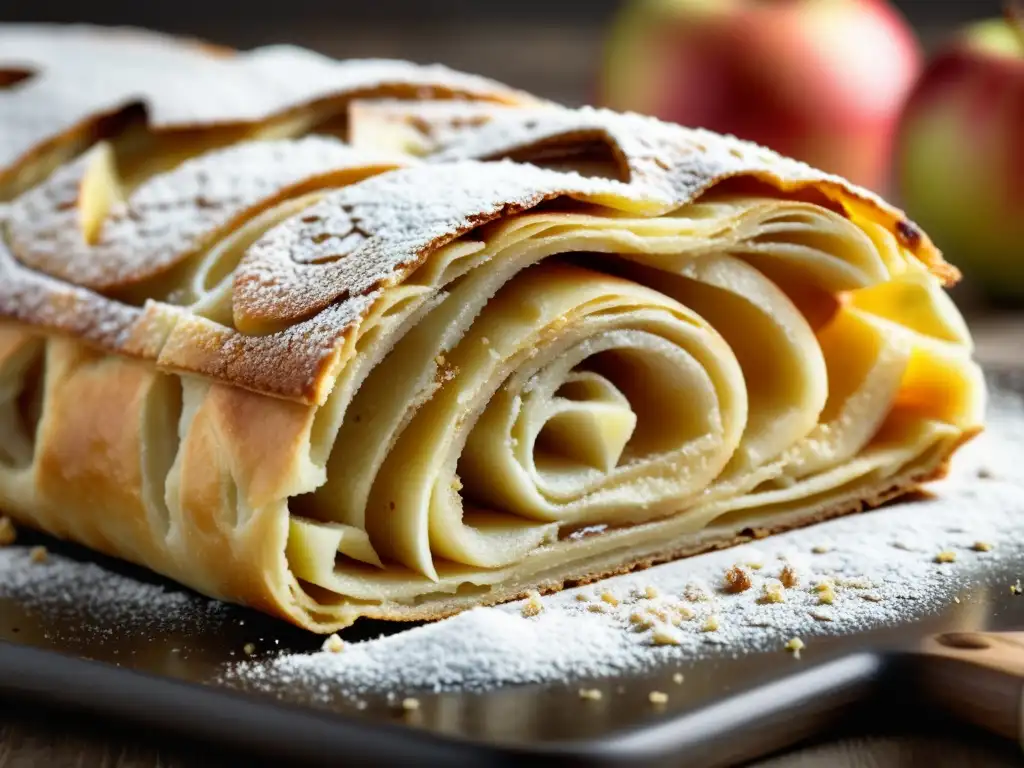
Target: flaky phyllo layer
559	345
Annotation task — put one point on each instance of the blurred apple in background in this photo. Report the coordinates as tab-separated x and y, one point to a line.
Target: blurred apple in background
820	80
961	154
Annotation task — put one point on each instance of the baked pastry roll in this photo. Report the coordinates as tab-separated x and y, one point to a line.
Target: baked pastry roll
560	345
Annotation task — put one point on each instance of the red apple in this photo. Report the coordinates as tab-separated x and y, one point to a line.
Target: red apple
819	80
961	154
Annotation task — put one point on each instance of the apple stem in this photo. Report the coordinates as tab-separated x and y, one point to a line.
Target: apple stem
1014	13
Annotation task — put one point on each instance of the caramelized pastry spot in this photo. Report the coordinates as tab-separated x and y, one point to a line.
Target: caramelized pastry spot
737	579
909	235
789	577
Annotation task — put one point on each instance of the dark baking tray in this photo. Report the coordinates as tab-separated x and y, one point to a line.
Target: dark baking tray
166	677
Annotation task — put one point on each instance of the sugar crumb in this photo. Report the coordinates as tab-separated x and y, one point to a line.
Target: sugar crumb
410	704
533	605
333	644
772	591
794	646
826	593
664	634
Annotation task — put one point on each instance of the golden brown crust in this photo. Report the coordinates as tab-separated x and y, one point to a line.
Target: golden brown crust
307	283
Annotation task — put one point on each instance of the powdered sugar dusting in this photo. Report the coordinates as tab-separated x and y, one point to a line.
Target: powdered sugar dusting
877	569
66	590
173	214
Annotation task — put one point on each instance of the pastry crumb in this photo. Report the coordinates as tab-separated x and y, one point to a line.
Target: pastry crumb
8	533
582	597
641	620
872	597
664	634
821	549
981	546
956	599
249	649
678	678
794	646
772	591
684	611
737	579
609	598
657	698
410	704
456	483
712	623
826	593
1016	589
333	644
38	554
820	614
596	607
946	556
651	592
590	694
985	473
697	592
789	576
533	604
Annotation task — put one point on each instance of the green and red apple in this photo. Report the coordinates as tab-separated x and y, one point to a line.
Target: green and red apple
820	80
961	154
